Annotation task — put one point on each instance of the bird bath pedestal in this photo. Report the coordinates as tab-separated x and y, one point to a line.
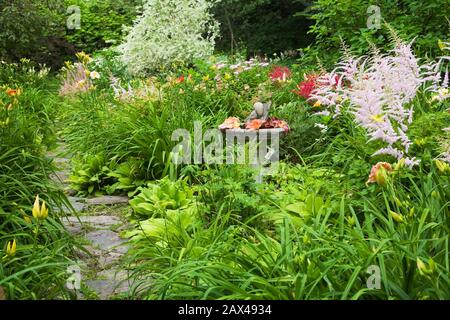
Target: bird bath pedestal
262	147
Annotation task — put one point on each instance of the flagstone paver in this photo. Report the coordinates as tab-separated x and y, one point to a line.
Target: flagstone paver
101	271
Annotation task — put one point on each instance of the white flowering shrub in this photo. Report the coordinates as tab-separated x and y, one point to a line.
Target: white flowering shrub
170	33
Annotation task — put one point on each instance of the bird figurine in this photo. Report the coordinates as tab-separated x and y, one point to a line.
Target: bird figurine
260	111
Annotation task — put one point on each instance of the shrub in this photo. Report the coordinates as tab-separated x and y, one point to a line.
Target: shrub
38	36
337	20
168	33
262	26
101	22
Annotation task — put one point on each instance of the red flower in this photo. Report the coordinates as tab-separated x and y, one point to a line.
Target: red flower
279	73
180	79
336	79
306	88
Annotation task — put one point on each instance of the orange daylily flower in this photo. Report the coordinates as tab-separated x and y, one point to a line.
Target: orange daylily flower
254	124
13	92
378	173
230	123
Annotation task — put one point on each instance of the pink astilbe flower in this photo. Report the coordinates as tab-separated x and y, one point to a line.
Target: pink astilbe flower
378	90
441	88
76	80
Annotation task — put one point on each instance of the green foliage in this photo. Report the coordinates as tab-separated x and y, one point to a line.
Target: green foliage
38	36
324	256
314	226
102	22
38	268
163	195
337	21
136	127
262	26
90	175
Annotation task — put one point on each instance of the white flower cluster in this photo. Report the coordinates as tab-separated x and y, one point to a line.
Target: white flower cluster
170	33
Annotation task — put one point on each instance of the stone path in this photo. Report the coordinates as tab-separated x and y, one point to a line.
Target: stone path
100	259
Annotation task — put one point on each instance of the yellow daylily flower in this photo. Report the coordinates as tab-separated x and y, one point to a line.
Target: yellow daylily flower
83	57
377	118
317	104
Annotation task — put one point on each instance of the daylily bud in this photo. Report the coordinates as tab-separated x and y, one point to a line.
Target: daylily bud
400	164
432	265
398	202
306	239
423	269
39	212
381	177
351	221
421	266
44	211
396	216
11	248
442	166
36	210
435	194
